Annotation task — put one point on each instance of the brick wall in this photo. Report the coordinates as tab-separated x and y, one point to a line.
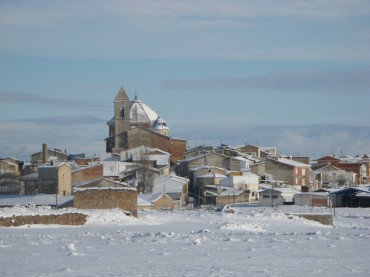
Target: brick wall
88	173
138	137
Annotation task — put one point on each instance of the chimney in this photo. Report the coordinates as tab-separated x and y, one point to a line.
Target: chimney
45	153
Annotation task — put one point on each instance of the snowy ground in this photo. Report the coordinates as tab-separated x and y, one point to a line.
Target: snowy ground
253	242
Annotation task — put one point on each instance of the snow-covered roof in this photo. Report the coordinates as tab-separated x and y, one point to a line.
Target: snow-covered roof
358	189
289	162
284	190
212	175
148	199
38	200
226	191
169	184
199	167
142	113
31	176
363	194
81	189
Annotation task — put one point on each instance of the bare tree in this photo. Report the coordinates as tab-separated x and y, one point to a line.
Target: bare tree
144	173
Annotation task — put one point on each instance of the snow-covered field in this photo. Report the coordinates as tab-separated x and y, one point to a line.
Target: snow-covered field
255	241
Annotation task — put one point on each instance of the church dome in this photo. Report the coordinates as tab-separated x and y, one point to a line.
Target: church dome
141	113
160	124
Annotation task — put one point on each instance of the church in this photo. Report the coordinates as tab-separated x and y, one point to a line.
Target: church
135	124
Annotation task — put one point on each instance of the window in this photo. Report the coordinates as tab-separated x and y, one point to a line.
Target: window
122	112
266	196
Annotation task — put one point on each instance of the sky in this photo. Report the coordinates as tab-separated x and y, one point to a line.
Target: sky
289	74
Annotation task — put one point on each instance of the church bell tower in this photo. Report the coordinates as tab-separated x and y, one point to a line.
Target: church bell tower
121	120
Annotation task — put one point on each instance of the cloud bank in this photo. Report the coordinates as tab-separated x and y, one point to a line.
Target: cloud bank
348	82
312	140
25	98
86	134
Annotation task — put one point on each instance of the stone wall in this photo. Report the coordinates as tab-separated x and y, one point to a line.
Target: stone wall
325	219
60	219
125	199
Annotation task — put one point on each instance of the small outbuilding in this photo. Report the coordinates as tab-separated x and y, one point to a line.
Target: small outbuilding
311	199
277	196
155	201
351	197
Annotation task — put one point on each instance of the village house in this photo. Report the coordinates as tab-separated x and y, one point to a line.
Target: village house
48	154
291	172
112	165
55	178
247	182
201	170
156	201
349	165
175	187
152	156
332	177
61	177
11	166
256	151
9	184
312	199
30	183
277	196
224	195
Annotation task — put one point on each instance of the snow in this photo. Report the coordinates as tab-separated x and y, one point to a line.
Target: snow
255	241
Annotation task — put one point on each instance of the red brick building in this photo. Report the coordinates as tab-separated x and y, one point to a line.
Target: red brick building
355	167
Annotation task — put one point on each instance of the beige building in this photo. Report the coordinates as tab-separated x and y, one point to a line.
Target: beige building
8	167
291	172
55	178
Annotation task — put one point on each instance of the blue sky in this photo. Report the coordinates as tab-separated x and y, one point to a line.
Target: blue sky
290	74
